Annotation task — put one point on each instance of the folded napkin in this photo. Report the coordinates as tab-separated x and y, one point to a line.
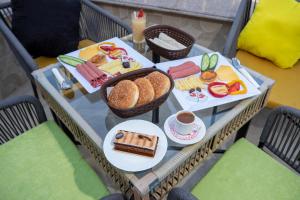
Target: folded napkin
167	42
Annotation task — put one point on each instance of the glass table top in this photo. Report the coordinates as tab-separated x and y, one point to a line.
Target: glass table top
98	116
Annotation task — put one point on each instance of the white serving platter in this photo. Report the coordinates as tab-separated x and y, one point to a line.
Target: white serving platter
131	162
131	52
211	101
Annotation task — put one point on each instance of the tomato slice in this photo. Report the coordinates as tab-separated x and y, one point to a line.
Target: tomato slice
107	48
234	87
112	53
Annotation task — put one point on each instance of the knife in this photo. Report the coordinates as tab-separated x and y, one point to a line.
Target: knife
236	63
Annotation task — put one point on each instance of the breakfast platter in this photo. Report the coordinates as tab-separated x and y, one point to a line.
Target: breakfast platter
94	65
206	81
135	145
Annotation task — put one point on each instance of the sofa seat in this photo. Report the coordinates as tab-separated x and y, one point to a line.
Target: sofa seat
44	164
43	61
285	91
245	172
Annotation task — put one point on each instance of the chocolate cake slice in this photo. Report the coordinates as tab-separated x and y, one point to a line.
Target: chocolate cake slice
137	143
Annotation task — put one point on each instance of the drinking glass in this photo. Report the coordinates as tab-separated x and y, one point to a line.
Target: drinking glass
138	27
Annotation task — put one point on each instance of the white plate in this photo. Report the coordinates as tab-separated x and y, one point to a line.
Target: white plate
192	138
132	162
211	101
131	52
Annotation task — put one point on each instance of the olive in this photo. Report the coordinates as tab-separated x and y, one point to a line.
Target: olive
198	89
126	64
119	135
192	90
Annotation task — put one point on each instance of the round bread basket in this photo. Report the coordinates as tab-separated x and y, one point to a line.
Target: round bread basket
132	76
177	34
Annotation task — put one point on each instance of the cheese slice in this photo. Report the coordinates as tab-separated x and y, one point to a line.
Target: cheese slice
226	73
88	52
116	66
190	82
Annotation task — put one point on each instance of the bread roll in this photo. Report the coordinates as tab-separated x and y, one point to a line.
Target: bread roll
160	82
146	91
124	95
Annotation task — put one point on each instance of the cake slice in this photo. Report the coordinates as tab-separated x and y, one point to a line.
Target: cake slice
137	143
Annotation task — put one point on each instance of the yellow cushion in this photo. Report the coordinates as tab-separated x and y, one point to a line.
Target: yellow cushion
286	88
273	32
43	61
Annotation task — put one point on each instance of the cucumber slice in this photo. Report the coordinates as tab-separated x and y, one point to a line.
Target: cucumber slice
70	60
205	62
71	57
213	61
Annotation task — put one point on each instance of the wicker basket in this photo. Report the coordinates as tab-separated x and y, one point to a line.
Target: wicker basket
132	76
180	36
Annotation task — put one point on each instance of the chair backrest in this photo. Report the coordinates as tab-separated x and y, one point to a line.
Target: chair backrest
281	135
95	24
18	115
6	14
98	24
22	55
20	52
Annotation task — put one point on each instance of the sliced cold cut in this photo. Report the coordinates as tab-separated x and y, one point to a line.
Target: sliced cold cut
181	67
94	68
84	72
92	74
184	70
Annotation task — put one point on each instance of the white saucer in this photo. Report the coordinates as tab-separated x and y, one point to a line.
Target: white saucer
189	139
129	161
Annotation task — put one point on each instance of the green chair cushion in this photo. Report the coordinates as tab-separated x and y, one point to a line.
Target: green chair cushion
247	173
44	164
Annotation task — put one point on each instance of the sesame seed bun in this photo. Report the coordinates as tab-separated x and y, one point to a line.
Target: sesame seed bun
160	82
124	95
146	91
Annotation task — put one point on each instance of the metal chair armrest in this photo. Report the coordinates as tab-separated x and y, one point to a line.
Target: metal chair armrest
18	115
180	194
97	24
237	26
18	49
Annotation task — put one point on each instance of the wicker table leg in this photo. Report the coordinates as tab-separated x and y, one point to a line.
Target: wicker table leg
136	195
242	132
